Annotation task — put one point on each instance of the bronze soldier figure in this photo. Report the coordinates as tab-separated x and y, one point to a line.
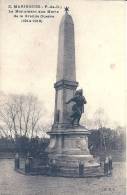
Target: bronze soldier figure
78	107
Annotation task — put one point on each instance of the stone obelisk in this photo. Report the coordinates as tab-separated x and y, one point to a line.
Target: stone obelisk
68	144
66	74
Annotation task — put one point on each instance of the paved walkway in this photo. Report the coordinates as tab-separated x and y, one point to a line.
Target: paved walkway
13	183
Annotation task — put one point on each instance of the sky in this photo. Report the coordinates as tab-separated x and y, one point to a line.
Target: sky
28	54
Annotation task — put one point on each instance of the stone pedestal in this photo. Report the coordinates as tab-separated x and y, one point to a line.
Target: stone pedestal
68	149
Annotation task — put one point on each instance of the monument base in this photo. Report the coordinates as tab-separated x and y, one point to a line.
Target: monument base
69	155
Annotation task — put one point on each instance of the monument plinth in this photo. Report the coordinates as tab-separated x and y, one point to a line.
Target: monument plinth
68	140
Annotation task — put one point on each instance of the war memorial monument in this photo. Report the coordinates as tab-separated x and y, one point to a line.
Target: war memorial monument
68	148
67	153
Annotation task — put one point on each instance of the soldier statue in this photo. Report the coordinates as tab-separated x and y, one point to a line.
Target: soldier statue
78	107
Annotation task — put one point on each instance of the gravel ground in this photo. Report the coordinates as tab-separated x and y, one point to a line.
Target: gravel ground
13	183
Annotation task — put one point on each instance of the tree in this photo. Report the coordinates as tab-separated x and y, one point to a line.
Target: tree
87	121
20	115
101	121
100	118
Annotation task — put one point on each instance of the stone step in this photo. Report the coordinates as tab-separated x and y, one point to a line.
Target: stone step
68	171
40	170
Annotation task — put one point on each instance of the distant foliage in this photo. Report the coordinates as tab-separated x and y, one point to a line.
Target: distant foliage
33	147
106	139
7	144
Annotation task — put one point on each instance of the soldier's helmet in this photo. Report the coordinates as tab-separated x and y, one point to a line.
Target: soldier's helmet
79	92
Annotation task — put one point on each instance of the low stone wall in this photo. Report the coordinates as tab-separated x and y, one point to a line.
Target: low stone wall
32	166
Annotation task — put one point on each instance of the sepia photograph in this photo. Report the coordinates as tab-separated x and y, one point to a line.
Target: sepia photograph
62	97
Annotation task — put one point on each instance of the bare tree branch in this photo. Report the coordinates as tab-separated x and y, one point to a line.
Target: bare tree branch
20	115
